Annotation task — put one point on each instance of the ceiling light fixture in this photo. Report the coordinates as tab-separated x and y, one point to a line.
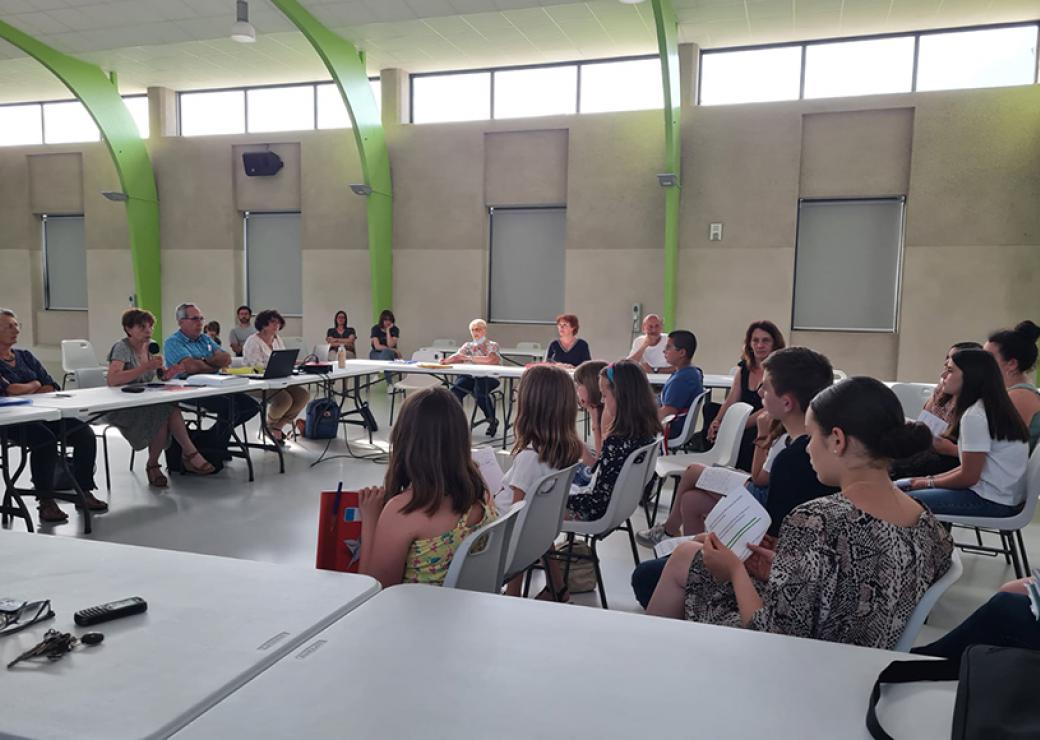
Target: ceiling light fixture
242	31
361	189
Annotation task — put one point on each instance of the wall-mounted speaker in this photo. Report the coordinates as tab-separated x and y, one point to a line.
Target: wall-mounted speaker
261	164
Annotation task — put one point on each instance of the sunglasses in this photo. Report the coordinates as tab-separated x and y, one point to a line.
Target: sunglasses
27	616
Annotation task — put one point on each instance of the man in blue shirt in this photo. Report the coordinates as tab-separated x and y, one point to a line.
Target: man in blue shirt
686	383
190	351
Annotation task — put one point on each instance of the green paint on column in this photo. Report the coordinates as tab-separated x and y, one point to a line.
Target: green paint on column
668	47
101	98
347	68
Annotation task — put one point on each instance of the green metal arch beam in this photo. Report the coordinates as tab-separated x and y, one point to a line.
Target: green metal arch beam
347	68
102	100
668	47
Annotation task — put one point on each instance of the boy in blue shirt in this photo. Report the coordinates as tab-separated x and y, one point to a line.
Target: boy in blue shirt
685	384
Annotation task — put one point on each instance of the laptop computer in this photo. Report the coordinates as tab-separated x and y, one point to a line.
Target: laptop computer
279	365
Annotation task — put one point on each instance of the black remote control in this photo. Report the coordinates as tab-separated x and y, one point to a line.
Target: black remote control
111	610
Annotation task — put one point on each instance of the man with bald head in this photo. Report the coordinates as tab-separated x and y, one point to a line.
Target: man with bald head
648	348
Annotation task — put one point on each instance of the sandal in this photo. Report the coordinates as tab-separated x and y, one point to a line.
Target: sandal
193	467
546	595
156	478
50	512
93	503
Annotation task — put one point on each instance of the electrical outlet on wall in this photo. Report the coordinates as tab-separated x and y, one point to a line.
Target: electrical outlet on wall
715	232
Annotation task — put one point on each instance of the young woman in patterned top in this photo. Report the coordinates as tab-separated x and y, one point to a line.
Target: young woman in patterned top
433	496
847	568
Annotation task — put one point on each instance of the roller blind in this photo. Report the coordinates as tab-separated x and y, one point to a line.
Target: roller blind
527	264
274	276
847	264
65	263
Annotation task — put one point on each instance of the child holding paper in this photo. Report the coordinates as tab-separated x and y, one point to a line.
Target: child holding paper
432	497
847	568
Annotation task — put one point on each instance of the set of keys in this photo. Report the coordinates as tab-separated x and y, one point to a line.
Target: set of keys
56	645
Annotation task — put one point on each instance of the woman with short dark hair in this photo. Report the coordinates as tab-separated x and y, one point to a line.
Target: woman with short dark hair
568	350
285	405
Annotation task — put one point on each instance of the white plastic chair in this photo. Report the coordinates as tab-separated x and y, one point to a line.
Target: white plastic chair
928	601
445	344
724	453
540	522
689	423
414	381
77	354
480	561
624	500
97	377
1009	527
295	343
839	375
532	347
912	397
321	351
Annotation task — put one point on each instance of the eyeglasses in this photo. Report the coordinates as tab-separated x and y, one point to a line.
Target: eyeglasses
27	616
194	318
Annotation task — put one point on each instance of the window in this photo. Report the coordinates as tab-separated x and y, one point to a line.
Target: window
540	91
64	263
751	76
21	125
68	122
332	111
451	97
984	58
859	67
280	108
217	112
527	264
633	84
138	107
847	264
274	272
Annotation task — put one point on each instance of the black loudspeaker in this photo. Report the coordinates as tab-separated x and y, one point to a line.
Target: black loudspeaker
261	164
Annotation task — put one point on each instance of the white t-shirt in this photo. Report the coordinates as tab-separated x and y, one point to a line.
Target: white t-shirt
654	356
778	446
1005	461
256	352
527	470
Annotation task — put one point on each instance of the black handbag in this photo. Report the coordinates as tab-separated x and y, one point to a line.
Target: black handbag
996	692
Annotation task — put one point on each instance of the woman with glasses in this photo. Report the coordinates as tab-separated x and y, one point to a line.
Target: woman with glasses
568	351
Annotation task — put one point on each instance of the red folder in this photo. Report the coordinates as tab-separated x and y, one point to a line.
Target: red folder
339	531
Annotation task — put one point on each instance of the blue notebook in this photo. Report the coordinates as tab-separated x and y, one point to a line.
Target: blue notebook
14	401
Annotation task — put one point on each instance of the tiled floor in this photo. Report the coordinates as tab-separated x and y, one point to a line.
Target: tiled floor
274	519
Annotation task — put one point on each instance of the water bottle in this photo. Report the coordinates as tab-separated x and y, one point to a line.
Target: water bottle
341	358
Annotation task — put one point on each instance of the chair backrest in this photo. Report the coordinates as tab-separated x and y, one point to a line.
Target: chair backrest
839	375
76	354
912	397
321	351
530	347
541	520
295	343
689	423
445	343
480	561
731	430
90	377
628	488
426	354
924	606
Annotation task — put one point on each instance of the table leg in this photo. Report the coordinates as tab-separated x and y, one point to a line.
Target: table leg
265	428
13	505
79	494
242	444
508	403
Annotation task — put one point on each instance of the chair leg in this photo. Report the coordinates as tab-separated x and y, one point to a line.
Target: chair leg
1022	551
133	454
632	541
599	575
570	555
1013	549
393	397
527	579
1007	548
104	446
651	520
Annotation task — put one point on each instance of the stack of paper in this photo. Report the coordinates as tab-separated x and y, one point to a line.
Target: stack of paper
738	520
216	381
721	480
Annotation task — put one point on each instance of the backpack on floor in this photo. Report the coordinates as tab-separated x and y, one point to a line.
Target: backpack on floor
322	420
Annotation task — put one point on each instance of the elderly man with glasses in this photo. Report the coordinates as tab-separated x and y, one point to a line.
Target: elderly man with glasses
191	351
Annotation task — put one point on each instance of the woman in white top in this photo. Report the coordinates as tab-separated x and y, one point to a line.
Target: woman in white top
285	405
992	443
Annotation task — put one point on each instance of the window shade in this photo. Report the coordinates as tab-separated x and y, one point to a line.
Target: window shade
527	264
273	262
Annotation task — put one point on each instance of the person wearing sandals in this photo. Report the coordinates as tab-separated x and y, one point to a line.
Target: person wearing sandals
22	374
285	405
131	362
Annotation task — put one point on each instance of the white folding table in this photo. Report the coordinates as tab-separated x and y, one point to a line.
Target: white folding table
425	662
212	624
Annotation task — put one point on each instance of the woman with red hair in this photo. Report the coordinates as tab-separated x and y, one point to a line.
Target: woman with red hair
568	350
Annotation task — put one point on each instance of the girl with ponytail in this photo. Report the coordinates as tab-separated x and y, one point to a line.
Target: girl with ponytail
1015	352
847	568
991	442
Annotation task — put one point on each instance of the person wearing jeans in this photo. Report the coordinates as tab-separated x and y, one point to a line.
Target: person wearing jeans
384	337
1005	620
479	351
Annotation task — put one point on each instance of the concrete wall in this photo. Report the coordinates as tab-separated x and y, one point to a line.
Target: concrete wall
968	161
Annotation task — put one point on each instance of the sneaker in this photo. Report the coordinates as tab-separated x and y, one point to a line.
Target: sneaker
650	537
